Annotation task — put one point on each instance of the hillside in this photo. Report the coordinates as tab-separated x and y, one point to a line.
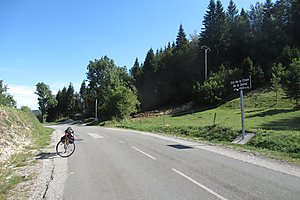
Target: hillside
18	129
276	125
21	137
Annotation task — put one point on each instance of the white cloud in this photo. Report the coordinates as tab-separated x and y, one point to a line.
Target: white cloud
24	95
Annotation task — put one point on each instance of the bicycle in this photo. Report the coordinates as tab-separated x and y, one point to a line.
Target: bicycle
66	146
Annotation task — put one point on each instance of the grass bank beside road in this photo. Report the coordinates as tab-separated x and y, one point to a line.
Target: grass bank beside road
22	135
277	125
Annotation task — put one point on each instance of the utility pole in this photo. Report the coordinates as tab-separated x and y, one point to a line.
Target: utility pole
205	48
96	114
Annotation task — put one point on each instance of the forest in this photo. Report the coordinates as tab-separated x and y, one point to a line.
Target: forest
262	42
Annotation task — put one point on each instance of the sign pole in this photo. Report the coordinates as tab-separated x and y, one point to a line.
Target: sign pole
96	108
242	112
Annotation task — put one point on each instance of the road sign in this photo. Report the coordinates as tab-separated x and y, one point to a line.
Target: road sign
241	84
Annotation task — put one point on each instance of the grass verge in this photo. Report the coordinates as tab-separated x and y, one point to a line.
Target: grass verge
29	126
276	125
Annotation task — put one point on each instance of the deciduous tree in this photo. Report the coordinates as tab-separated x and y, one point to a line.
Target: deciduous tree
46	99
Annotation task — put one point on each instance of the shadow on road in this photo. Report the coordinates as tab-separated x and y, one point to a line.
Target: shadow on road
42	156
179	146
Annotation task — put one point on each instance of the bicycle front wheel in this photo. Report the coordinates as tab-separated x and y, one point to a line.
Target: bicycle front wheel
65	149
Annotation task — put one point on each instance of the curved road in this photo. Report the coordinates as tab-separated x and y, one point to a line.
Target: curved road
113	164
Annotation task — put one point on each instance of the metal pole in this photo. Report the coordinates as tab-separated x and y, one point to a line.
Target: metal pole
206	49
96	114
242	112
215	117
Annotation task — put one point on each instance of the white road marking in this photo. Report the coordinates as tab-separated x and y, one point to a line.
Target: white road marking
96	136
144	153
199	184
121	141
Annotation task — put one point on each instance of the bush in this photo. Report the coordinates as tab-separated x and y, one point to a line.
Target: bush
286	143
216	87
122	102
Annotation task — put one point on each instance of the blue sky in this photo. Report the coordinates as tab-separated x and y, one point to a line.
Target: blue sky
52	41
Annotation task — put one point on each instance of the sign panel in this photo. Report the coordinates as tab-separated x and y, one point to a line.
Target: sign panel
241	84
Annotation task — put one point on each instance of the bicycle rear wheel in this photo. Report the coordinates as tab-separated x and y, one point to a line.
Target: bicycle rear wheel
65	149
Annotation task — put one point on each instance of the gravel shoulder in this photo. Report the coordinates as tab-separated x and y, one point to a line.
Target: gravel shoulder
52	173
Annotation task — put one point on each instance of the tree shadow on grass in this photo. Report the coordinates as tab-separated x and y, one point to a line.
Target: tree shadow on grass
292	124
270	113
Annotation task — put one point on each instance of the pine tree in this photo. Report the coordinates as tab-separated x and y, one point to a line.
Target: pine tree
148	93
232	49
181	41
136	71
277	74
256	16
149	66
292	81
213	34
71	101
294	23
232	13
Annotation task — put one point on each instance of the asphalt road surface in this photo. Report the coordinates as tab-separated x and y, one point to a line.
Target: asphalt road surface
113	164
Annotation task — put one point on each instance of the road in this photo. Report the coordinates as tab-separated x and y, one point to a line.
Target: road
117	164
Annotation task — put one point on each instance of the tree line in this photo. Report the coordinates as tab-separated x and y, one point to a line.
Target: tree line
262	42
6	99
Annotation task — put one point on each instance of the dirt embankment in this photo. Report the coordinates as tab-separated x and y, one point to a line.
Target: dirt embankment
165	111
14	132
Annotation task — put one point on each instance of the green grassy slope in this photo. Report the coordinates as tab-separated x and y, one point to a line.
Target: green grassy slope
19	129
277	125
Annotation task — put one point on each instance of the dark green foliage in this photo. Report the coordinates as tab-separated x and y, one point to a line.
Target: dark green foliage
167	76
292	81
68	104
246	42
5	98
287	55
276	80
181	41
112	87
175	74
122	102
148	89
256	73
46	99
214	33
216	88
294	22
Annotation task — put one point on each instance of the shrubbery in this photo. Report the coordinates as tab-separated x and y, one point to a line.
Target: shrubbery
286	143
216	88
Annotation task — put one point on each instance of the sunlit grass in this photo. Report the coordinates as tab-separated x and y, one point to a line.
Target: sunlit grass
276	125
